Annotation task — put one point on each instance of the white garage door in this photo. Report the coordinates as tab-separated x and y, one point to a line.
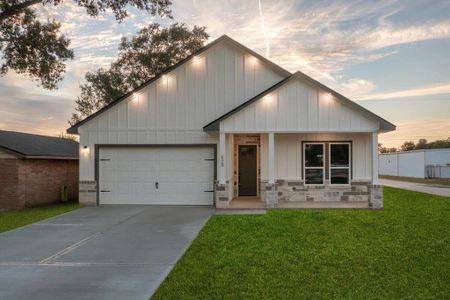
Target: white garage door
166	176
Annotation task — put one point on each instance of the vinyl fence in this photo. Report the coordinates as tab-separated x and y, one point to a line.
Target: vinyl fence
435	171
429	163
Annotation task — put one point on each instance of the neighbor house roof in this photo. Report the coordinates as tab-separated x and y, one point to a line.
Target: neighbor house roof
223	38
38	146
384	125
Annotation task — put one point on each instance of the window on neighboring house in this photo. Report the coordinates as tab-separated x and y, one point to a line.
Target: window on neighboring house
339	163
314	163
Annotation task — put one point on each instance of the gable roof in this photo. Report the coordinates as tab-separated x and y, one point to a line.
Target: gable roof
223	38
38	146
384	125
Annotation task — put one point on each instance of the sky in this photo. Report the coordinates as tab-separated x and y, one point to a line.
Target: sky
392	57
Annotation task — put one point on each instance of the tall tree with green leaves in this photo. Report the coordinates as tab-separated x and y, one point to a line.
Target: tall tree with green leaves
422	144
152	50
408	146
38	49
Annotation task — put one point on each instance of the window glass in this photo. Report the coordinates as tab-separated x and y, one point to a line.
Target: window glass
339	155
313	155
339	163
339	176
314	176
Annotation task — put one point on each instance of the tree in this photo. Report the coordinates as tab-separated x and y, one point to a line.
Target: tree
38	49
422	144
152	50
382	149
408	146
439	144
66	136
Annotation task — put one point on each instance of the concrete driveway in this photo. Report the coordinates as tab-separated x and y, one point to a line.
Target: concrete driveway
107	252
440	190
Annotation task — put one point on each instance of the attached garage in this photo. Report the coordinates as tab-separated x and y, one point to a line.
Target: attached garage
156	175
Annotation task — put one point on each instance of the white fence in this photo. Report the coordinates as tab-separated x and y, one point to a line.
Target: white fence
415	163
436	171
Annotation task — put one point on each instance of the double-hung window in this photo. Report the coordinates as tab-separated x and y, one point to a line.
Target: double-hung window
326	161
314	162
339	163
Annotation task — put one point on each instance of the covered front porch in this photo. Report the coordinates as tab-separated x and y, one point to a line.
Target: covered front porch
273	170
298	143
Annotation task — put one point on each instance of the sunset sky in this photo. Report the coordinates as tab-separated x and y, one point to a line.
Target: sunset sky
392	57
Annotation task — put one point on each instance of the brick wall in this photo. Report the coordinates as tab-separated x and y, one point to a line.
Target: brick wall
9	181
39	181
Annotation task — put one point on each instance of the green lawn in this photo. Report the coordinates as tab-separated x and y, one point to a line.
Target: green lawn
402	251
13	219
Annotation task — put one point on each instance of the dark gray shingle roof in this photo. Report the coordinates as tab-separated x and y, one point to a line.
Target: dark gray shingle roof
26	144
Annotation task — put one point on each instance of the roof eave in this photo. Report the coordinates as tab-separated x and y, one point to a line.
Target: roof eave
12	151
387	127
51	157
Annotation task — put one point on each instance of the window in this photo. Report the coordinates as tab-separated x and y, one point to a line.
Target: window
339	163
314	162
330	160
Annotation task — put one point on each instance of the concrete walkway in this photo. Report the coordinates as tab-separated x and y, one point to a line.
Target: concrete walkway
107	252
439	190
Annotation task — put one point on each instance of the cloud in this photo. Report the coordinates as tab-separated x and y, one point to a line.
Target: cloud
355	87
415	92
320	38
432	129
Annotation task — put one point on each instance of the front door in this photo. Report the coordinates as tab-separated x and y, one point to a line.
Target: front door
247	170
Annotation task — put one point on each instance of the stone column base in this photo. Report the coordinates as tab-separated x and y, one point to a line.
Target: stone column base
221	195
271	195
87	193
375	196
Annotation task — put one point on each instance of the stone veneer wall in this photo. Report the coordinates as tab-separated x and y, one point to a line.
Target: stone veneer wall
222	197
297	191
88	192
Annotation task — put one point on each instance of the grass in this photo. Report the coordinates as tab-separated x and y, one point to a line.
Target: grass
13	219
435	181
402	251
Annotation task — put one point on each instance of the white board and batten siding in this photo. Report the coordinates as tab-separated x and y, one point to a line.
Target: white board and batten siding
288	153
174	109
298	107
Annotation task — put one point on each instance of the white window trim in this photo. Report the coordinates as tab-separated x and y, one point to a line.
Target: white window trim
317	168
349	163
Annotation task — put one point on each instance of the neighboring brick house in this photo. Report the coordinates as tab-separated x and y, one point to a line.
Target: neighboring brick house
34	168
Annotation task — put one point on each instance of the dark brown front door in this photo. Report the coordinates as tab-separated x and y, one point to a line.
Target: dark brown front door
247	170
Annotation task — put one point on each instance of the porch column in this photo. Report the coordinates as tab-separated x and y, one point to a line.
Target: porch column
375	189
375	158
271	193
222	159
271	161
